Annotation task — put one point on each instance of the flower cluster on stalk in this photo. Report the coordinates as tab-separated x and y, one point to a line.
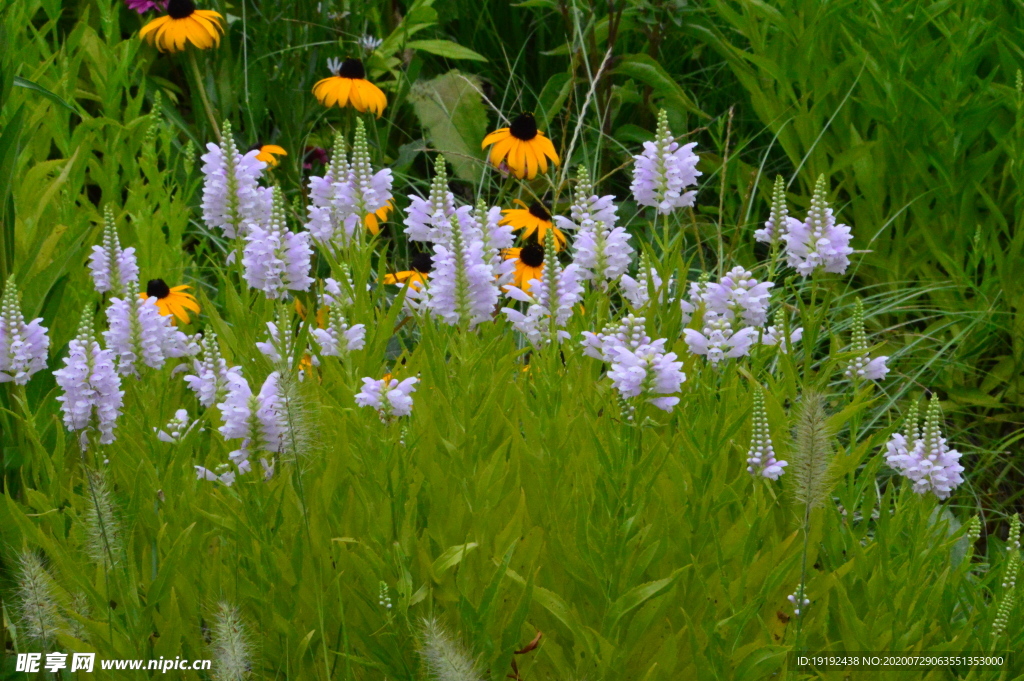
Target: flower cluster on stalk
23	346
924	457
113	268
91	398
664	170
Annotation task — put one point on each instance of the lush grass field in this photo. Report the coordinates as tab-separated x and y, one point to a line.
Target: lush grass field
518	498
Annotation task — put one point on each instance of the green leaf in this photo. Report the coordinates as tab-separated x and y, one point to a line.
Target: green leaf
451	110
445	48
645	69
29	85
450	558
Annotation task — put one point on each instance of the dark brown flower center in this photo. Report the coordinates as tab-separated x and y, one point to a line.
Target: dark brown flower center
532	255
158	288
352	68
539	211
421	263
524	127
180	9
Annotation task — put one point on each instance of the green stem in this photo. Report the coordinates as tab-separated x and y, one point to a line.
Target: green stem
202	93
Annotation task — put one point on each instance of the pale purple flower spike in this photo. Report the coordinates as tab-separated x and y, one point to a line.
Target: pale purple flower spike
23	347
112	267
818	241
391	398
664	170
925	458
233	201
92	395
276	259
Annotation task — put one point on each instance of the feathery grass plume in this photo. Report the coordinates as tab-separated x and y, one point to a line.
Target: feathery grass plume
79	606
101	526
37	600
444	658
232	646
810	478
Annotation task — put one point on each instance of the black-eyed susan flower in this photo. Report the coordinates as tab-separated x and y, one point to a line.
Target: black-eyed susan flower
184	24
522	147
533	218
269	153
529	264
417	274
373	220
349	87
171	301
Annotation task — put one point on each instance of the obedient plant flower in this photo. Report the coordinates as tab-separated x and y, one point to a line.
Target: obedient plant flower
925	458
257	420
495	237
629	333
232	199
177	428
23	347
739	297
719	339
212	374
647	283
779	221
648	372
339	339
736	307
92	396
521	147
276	259
430	219
349	87
328	207
601	249
818	241
369	192
550	300
138	332
664	170
761	459
639	367
350	195
111	266
390	397
776	333
862	366
463	290
535	218
184	24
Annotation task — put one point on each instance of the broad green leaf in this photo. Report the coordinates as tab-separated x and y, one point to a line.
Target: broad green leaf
445	48
452	113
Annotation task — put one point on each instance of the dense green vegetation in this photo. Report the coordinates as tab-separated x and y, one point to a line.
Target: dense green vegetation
516	498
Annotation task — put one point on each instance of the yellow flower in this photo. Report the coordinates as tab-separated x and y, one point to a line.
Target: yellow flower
171	301
417	274
321	313
269	153
184	24
349	87
380	215
529	264
522	147
530	219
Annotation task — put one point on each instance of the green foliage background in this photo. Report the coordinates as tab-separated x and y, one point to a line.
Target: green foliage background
518	502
